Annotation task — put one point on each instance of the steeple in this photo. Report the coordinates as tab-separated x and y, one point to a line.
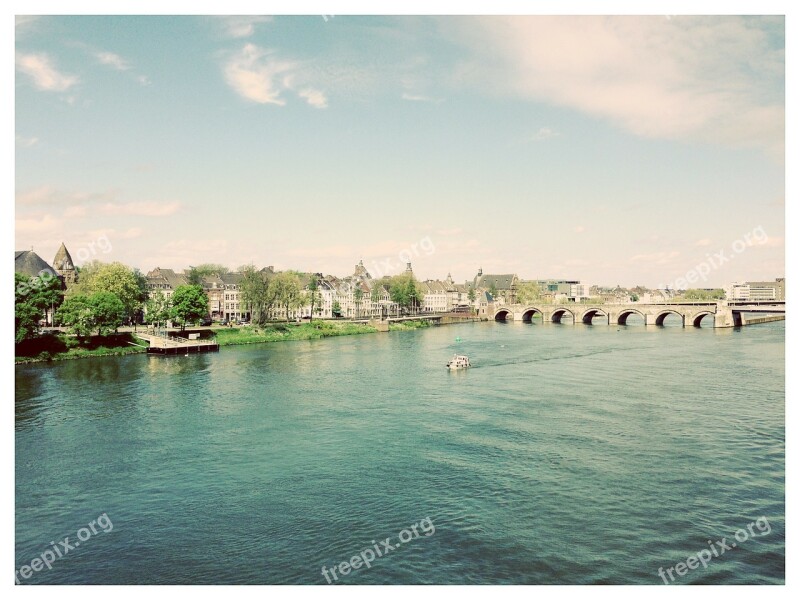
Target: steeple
64	266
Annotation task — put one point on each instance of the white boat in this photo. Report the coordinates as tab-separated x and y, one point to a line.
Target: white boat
458	361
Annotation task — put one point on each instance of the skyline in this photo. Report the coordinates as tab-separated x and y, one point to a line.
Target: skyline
628	155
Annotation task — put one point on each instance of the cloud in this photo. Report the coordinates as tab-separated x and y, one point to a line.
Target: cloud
112	60
709	79
260	76
46	195
26	142
35	224
545	133
44	75
421	98
139	209
703	242
579	229
656	258
143	80
243	26
314	98
255	74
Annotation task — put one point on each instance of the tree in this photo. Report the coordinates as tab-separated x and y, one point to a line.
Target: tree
337	309
286	288
195	275
189	303
404	292
256	294
107	312
33	298
358	295
529	292
158	309
118	279
493	290
76	314
314	298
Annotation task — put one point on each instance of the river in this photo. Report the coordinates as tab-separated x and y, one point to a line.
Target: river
566	454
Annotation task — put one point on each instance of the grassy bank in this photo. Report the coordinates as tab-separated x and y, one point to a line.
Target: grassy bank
64	347
282	332
409	325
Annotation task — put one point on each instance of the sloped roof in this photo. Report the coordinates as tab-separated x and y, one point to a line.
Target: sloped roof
501	282
29	263
63	261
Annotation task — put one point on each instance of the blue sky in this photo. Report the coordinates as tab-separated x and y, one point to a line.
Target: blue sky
615	150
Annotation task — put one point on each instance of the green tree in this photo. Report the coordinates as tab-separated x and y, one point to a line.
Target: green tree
189	304
313	296
118	279
107	312
38	294
529	292
358	296
404	292
493	290
286	288
76	314
257	294
336	309
158	309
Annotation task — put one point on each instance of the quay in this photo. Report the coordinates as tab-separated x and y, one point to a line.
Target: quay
166	345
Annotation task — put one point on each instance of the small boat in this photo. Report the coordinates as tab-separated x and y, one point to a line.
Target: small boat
458	362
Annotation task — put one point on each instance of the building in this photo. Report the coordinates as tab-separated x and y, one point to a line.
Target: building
502	286
758	290
165	281
27	262
64	266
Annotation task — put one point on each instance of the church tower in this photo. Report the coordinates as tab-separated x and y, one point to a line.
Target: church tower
64	266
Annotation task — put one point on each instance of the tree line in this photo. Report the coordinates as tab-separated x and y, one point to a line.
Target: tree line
106	296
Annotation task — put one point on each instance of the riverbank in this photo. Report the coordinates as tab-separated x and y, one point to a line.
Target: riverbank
64	347
287	332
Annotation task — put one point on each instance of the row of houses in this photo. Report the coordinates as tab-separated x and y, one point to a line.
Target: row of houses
358	295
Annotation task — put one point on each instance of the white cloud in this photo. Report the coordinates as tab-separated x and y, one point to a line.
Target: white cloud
139	209
579	229
243	26
260	76
421	98
143	79
712	79
656	258
703	242
26	142
314	97
44	75
255	74
112	60
545	133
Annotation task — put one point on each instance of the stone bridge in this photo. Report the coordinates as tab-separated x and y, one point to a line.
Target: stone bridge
718	314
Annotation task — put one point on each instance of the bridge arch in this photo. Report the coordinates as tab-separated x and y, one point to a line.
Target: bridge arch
559	313
591	313
695	320
529	312
622	317
665	313
503	314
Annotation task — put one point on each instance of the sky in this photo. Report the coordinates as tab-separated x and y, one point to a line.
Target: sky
611	150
